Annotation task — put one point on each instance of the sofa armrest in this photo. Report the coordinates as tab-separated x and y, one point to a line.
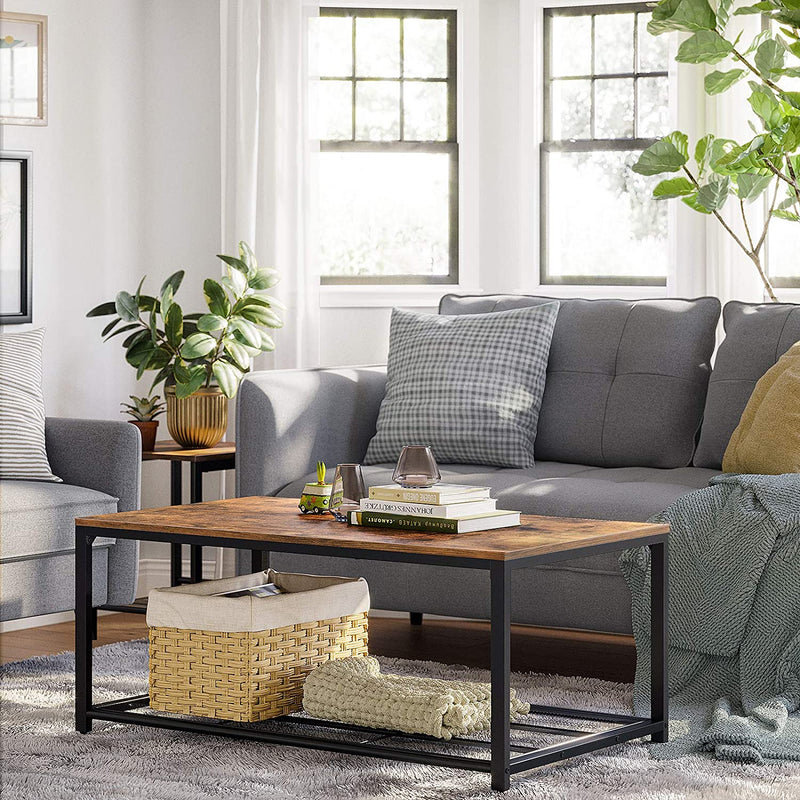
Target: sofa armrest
287	420
106	456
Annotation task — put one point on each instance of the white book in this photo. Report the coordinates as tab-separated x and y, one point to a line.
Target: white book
449	511
439	494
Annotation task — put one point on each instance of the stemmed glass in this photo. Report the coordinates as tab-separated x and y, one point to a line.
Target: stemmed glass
416	468
347	491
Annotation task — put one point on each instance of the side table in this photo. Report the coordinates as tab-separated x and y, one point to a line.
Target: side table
221	456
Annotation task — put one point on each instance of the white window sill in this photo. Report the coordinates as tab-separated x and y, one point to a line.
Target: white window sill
376	296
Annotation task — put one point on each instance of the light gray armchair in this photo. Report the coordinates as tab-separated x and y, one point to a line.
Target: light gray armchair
100	464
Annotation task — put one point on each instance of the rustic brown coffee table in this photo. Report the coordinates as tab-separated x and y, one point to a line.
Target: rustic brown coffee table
261	524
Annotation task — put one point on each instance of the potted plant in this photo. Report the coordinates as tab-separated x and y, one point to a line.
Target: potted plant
144	411
201	357
765	166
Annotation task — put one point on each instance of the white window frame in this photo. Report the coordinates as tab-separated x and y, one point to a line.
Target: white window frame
467	81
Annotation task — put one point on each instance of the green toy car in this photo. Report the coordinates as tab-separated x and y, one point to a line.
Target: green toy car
316	497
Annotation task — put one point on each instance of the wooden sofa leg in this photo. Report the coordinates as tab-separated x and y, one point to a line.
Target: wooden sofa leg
415	617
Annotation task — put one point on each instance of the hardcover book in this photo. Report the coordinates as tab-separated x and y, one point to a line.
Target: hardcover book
441	494
479	522
449	511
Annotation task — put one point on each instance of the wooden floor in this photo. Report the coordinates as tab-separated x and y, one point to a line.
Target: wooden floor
454	642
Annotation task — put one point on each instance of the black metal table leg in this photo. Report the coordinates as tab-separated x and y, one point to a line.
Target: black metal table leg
500	661
659	684
195	496
259	560
176	498
83	634
415	617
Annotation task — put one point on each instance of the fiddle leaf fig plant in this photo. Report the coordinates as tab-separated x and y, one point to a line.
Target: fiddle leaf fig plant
196	350
718	171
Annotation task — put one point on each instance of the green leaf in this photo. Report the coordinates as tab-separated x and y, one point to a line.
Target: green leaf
216	298
247	330
247	255
234	262
714	194
138	292
723	12
110	327
138	336
263	278
235	282
783	214
691	201
750	186
212	322
769	57
181	372
717	82
198	345
668	154
267	342
237	352
161	375
166	299
704	47
758	8
174	282
103	310
702	152
173	325
126	307
160	359
673	187
147	303
765	105
263	300
124	329
227	376
682	15
261	316
140	353
197	377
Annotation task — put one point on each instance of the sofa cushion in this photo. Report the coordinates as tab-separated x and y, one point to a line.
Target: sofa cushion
38	518
756	336
22	444
626	379
567	490
470	387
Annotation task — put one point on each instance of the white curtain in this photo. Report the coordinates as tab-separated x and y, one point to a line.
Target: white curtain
268	160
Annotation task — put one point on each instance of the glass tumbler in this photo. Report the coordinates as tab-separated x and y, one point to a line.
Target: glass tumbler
416	468
347	491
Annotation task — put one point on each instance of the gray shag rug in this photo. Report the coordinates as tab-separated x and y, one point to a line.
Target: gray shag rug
44	758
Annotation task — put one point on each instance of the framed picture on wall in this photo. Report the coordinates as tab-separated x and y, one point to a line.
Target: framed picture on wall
23	69
15	237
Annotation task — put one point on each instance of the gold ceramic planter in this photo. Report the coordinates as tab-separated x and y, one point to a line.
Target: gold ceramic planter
199	420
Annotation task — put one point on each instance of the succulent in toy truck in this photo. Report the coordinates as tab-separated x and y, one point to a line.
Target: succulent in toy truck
316	497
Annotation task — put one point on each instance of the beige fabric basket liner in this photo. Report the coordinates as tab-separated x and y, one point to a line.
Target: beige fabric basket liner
306	598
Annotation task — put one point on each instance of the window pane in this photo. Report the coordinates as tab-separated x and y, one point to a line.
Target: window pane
384	213
571	46
601	217
652	49
378	47
613	43
653	107
784	253
571	109
425	48
613	108
377	110
425	111
334	46
335	109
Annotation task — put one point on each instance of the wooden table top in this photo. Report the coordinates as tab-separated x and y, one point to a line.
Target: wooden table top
167	450
277	519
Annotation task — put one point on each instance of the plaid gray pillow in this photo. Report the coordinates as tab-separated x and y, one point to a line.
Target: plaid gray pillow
468	386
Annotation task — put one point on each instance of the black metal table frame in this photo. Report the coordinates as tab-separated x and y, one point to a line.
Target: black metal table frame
505	758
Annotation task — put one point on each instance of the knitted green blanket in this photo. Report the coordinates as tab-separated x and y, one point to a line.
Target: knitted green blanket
734	655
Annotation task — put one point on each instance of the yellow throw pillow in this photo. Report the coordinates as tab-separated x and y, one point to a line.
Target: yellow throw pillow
767	439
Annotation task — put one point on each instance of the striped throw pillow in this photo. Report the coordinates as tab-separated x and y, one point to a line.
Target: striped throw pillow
22	450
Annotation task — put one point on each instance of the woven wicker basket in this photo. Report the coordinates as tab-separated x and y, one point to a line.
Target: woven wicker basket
245	676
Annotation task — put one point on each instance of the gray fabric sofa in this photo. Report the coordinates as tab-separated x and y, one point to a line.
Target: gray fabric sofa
625	406
100	465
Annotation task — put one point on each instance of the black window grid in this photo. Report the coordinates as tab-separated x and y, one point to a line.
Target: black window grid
403	145
592	144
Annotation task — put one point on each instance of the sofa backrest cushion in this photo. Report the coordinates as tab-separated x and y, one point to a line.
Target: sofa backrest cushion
626	379
756	336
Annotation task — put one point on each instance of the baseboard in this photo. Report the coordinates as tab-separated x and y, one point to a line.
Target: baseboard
43	619
156	572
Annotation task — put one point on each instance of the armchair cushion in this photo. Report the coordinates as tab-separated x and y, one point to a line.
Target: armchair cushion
38	519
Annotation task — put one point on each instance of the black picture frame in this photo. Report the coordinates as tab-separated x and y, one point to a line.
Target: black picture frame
17	218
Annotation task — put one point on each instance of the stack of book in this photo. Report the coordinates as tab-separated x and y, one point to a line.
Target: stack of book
444	508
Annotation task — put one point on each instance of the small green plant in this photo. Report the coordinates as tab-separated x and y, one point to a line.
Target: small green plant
321	470
193	350
143	409
724	169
